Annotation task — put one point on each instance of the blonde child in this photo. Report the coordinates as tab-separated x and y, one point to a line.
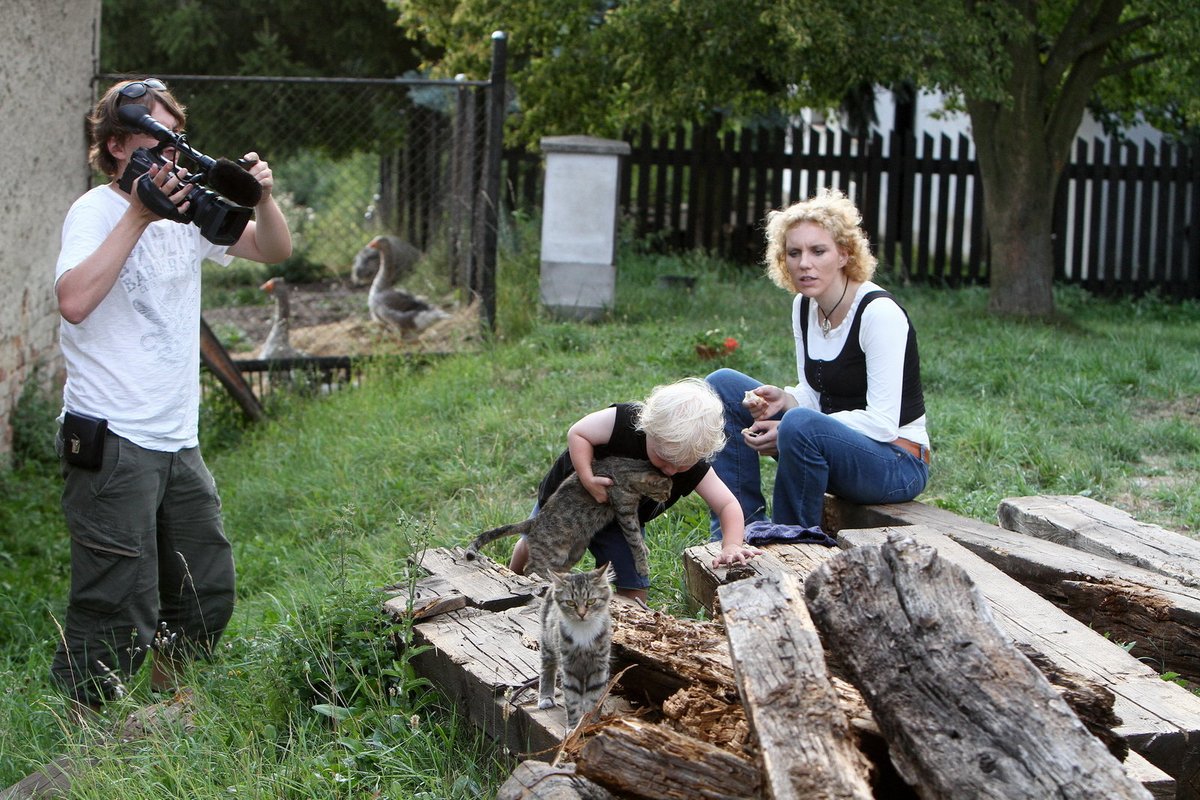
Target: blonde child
678	429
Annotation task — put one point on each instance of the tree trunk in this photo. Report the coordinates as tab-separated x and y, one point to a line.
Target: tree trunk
1019	179
1023	143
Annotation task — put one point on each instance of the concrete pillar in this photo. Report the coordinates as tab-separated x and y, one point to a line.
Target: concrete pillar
579	225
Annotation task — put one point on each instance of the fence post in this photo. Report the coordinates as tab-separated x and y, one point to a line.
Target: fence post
490	206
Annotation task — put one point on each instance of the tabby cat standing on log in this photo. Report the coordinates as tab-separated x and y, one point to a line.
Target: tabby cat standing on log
576	640
678	429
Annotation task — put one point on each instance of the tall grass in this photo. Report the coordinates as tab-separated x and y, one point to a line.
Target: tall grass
325	502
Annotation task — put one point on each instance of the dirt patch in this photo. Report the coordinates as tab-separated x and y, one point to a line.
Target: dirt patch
330	318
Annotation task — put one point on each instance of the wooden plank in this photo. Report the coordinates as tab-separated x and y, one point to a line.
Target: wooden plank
54	778
536	780
483	582
1161	720
1084	524
1160	785
1158	614
217	359
428	597
653	761
477	657
805	748
702	580
964	713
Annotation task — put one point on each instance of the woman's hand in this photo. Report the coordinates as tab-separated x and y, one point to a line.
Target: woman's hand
767	401
762	437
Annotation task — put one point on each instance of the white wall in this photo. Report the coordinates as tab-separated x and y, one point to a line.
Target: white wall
49	51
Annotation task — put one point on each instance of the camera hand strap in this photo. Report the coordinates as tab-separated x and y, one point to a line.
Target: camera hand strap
153	198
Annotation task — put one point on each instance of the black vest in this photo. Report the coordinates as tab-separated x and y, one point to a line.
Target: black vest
842	382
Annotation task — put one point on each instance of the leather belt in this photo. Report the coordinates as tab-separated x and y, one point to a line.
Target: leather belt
918	450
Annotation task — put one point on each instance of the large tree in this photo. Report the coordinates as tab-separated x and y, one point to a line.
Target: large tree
1023	70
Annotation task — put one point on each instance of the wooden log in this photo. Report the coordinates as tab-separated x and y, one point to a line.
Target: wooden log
640	759
964	713
806	749
702	580
537	780
1156	612
1160	720
1084	524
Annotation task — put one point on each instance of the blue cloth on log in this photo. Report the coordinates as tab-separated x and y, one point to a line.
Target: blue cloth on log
762	532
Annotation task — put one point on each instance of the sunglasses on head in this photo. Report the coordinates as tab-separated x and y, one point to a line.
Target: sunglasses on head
138	88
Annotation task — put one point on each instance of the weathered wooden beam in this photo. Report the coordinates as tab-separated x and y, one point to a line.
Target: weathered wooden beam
54	778
702	580
641	759
1160	720
1160	785
1084	524
537	780
426	598
214	356
964	713
483	582
477	658
805	745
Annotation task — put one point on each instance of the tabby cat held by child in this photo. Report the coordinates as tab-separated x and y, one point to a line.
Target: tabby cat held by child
677	429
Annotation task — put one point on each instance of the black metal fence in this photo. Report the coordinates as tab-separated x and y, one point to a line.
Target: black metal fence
1125	218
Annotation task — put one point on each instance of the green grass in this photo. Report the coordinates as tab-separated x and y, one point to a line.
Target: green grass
324	503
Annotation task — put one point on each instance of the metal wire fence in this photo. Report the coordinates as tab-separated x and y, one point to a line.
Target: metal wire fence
354	158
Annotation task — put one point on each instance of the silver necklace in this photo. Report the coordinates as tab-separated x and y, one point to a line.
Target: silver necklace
826	325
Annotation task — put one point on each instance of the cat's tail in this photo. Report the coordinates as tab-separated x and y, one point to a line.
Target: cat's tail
490	536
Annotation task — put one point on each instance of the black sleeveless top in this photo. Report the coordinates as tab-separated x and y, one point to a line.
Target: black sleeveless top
842	382
629	442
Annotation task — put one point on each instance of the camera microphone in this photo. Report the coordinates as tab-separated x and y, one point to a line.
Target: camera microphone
229	179
221	175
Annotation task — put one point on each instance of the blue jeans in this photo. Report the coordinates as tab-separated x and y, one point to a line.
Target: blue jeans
817	454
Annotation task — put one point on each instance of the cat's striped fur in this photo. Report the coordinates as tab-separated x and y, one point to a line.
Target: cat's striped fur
576	640
559	535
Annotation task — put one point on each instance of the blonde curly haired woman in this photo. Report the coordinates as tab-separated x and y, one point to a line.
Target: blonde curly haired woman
854	424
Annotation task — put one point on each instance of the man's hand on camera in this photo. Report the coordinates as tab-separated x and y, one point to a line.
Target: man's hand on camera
261	172
170	184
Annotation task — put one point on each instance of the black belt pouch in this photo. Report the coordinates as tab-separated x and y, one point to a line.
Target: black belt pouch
83	440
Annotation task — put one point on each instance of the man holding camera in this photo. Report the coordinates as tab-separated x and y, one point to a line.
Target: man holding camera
151	568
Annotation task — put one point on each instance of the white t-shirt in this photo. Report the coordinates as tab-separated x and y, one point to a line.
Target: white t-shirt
135	360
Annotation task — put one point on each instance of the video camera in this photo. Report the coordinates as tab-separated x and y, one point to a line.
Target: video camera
221	219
